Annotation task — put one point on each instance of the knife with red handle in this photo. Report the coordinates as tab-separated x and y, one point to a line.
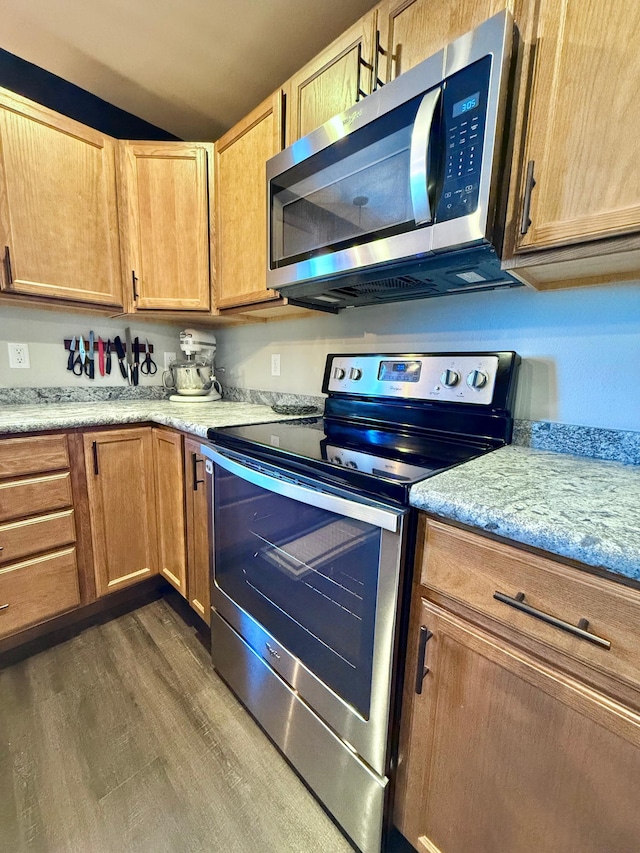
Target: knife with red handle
101	356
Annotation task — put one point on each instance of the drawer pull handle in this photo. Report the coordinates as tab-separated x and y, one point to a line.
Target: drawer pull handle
3	606
579	630
421	669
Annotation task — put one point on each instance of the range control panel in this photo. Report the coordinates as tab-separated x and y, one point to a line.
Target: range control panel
450	378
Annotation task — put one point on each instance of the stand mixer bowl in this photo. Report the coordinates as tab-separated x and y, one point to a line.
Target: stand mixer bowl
192	377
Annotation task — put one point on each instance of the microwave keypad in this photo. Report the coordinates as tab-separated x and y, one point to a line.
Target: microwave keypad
463	127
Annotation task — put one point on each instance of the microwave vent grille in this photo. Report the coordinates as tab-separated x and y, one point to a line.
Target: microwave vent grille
384	285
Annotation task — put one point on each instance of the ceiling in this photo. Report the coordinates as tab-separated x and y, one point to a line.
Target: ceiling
191	67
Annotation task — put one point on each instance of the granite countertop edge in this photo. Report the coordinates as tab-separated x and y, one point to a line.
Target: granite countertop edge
195	419
582	509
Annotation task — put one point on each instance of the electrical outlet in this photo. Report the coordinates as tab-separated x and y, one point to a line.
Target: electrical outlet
168	358
19	355
275	364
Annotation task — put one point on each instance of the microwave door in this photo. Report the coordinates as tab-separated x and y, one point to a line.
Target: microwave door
421	177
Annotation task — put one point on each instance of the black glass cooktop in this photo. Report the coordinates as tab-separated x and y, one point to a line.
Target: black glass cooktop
382	462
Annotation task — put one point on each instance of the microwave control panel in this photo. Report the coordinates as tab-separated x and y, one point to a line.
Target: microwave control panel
453	378
464	112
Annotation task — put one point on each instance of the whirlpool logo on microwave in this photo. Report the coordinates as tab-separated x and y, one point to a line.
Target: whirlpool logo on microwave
349	120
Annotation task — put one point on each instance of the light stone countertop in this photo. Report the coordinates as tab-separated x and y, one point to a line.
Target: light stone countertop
194	418
584	509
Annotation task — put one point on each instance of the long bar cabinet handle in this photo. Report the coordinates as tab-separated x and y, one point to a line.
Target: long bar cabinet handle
134	281
421	669
530	183
579	630
7	266
94	447
194	467
379	51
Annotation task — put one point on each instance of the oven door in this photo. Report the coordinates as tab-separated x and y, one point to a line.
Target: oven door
309	578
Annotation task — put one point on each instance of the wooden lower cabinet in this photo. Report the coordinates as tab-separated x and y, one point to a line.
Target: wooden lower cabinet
120	482
37	589
502	751
197	529
169	509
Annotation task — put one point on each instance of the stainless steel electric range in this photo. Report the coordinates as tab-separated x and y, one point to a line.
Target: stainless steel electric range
312	556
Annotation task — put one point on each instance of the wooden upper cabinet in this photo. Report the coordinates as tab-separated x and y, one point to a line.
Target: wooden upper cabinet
165	189
58	213
241	205
332	82
413	30
170	515
120	482
583	124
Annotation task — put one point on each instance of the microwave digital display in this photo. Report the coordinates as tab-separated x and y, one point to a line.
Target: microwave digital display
399	371
465	105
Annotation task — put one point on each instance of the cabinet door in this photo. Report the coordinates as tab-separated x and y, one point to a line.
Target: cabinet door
412	30
119	467
241	205
170	517
58	211
165	201
502	753
583	124
198	547
332	82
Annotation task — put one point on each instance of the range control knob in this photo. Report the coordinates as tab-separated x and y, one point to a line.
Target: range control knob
450	378
477	379
355	373
339	372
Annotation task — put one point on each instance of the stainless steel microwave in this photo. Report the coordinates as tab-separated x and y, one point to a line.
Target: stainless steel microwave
397	197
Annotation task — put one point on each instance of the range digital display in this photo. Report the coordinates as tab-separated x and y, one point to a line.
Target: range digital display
399	371
465	105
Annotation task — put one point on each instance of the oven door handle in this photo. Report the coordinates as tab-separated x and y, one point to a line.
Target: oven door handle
369	512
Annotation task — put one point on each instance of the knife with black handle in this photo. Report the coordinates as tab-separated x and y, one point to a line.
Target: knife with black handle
107	364
121	356
136	360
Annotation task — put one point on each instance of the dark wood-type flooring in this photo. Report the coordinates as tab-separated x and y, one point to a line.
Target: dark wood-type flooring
124	740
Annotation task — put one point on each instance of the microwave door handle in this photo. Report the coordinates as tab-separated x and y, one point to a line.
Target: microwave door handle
419	157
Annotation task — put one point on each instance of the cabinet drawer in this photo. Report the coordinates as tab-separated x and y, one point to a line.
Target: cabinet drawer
471	569
37	589
19	539
34	495
22	456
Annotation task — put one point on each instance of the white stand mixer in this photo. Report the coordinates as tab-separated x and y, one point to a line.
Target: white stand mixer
192	378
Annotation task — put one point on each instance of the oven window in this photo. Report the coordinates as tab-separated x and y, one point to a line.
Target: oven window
309	576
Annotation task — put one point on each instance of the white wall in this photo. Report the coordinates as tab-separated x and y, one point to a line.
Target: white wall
45	331
580	348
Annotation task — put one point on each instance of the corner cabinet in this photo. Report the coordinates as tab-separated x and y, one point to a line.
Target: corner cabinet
241	205
333	81
511	736
164	206
197	529
120	483
58	213
170	512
